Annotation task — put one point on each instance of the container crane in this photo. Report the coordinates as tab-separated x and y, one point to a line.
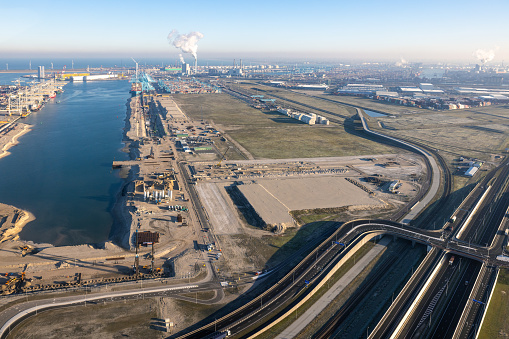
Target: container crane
136	62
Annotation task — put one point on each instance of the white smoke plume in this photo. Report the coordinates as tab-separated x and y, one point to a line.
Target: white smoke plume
485	55
187	43
182	59
401	62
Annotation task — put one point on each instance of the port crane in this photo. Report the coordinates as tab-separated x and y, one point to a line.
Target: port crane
136	62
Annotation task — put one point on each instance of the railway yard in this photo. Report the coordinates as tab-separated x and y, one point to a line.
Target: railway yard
204	203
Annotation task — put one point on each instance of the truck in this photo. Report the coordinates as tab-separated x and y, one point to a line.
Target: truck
451	223
451	261
221	335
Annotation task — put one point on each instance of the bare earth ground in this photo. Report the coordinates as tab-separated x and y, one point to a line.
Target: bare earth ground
476	132
220	213
320	192
273	199
247	249
268	207
133	321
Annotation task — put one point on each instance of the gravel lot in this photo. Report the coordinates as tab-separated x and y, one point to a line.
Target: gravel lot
273	199
221	214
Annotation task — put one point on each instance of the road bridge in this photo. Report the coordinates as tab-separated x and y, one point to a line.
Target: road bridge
491	256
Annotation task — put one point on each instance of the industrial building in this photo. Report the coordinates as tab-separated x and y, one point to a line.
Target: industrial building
70	76
186	69
360	89
409	90
387	94
430	89
313	87
471	171
393	186
309	119
236	72
40	72
100	77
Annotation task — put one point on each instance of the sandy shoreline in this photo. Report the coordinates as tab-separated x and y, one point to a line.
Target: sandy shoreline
12	221
12	138
122	218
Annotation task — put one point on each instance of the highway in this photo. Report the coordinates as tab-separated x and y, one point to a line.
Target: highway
479	218
443	289
290	289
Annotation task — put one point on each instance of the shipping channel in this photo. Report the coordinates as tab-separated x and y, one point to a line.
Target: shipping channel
61	170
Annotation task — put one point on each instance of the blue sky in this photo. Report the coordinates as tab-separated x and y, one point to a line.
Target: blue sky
343	30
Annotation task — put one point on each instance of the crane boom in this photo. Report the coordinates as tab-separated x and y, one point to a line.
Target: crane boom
136	62
222	157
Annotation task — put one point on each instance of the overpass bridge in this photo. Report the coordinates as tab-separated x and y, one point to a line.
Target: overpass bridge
362	228
314	270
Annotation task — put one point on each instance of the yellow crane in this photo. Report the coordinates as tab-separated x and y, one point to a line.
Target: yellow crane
222	157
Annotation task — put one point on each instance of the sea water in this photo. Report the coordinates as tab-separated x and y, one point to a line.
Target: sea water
61	170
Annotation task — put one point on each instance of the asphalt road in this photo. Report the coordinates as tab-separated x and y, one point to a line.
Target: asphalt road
14	314
481	229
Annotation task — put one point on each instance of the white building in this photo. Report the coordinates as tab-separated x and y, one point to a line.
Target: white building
40	72
360	89
471	171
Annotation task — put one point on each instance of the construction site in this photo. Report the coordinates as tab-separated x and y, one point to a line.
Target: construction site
197	203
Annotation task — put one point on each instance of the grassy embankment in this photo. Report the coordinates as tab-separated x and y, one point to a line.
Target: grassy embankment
495	323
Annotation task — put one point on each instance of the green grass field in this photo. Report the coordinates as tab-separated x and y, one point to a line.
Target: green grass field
274	136
496	324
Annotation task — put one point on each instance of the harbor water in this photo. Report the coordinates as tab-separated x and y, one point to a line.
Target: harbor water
61	170
374	114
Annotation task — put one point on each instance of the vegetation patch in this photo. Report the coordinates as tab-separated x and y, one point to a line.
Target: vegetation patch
202	295
318	214
495	323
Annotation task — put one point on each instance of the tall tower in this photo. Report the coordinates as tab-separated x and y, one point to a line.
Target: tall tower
40	72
